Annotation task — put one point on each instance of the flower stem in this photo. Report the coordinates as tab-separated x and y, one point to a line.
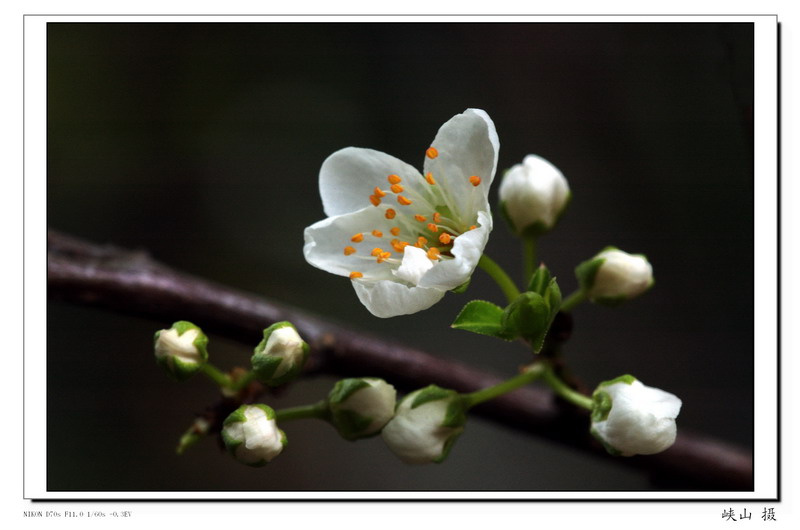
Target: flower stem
532	373
573	300
561	388
317	410
215	374
243	381
529	245
499	276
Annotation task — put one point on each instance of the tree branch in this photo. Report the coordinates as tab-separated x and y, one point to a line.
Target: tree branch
134	284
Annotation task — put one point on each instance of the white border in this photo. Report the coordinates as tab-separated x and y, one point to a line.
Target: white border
765	265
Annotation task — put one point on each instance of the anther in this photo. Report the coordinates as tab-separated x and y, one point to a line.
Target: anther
376	251
475	180
444	239
355	274
379	192
390	214
399	246
433	253
358	238
377	233
432	227
396	188
402	200
429	178
437	217
375	200
383	256
420	218
394	179
349	250
395	231
421	242
431	152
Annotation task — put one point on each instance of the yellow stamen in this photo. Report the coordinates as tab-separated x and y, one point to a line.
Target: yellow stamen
432	227
475	180
420	218
384	256
379	192
375	200
358	238
402	200
437	217
396	188
390	213
395	231
431	152
399	246
349	250
376	251
421	242
444	239
377	233
394	179
433	253
355	274
429	178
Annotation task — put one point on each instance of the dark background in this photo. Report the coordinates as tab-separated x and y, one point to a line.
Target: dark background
201	143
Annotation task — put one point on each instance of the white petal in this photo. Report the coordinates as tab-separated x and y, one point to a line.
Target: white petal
349	176
467	250
414	265
387	298
467	145
326	239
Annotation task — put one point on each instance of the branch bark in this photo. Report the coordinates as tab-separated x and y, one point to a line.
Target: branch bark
132	283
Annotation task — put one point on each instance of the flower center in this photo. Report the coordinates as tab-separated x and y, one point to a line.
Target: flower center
425	219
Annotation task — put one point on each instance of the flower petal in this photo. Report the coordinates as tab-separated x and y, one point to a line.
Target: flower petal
349	176
467	145
388	298
467	250
325	241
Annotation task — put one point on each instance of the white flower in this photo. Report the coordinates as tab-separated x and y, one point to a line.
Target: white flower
630	418
533	195
614	276
252	436
361	407
280	355
425	425
379	206
181	349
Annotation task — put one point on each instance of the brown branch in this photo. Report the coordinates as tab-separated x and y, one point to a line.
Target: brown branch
133	283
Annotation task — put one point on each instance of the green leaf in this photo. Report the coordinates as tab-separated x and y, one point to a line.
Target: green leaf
463	287
482	317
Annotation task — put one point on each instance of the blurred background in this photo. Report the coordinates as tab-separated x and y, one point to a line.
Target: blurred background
202	143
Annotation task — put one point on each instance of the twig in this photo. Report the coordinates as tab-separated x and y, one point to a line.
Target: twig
134	284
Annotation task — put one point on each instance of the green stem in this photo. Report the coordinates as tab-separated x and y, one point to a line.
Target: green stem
215	374
529	244
532	373
499	276
569	394
572	300
317	410
242	382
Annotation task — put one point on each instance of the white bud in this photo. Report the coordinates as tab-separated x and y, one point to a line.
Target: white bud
630	418
614	276
181	349
533	195
361	407
425	425
280	355
252	436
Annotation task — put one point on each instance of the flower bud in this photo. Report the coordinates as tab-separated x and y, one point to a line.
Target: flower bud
426	424
252	436
361	407
614	276
630	418
533	195
181	349
280	355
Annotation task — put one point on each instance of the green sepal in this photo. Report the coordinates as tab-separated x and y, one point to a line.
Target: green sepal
350	424
611	450
463	287
482	317
540	280
601	405
456	415
237	416
176	368
587	271
345	388
448	445
543	283
431	393
259	349
628	379
265	366
528	317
